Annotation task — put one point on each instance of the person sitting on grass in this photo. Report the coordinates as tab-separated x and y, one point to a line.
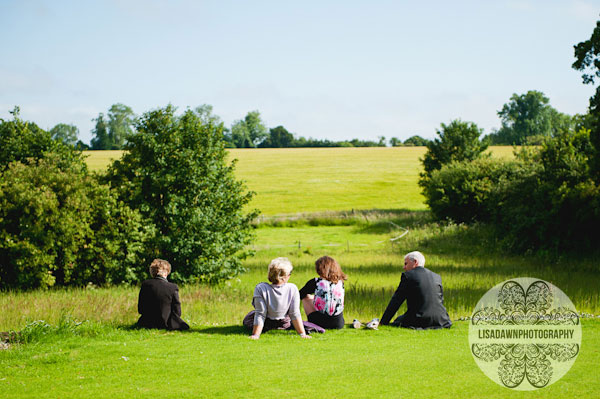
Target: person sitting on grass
424	295
158	301
276	305
323	296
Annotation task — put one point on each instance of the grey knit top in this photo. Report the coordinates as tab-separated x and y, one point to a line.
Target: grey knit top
275	302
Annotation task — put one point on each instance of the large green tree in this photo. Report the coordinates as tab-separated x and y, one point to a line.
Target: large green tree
101	139
587	60
457	141
65	133
527	118
110	132
279	137
120	124
249	132
175	172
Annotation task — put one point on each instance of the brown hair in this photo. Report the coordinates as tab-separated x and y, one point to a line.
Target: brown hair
329	269
159	265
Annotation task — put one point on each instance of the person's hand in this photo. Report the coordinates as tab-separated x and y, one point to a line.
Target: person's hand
254	337
305	336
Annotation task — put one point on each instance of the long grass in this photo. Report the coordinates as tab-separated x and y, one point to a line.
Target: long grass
370	253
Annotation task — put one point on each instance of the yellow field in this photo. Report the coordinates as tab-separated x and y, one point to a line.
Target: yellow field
297	180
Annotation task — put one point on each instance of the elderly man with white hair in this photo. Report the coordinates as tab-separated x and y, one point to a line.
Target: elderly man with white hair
422	290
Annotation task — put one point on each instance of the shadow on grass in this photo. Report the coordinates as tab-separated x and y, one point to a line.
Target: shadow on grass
221	330
384	270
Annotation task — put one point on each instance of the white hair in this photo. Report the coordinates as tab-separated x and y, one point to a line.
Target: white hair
417	257
278	269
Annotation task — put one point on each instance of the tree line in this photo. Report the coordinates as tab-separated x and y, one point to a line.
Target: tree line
526	119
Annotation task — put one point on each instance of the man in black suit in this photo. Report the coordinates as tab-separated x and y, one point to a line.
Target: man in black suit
424	295
158	302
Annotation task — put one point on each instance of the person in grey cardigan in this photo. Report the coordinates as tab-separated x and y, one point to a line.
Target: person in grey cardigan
276	305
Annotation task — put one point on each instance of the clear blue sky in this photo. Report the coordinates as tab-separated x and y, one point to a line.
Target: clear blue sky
324	69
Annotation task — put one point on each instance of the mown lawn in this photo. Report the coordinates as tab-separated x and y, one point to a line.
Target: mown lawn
221	362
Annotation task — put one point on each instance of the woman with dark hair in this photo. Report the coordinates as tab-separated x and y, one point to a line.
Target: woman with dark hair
323	296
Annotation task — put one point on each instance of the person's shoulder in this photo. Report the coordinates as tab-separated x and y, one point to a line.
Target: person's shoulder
261	287
430	271
415	273
150	282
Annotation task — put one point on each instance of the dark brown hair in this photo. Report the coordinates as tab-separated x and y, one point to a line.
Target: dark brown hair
329	269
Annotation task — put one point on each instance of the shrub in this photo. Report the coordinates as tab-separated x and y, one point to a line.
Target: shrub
458	141
463	191
25	142
552	203
175	173
59	227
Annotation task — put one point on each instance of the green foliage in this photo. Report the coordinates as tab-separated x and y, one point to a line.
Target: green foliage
416	141
552	203
587	54
120	121
174	172
101	140
395	142
279	137
111	134
545	200
458	141
463	191
65	133
25	142
249	132
527	118
58	226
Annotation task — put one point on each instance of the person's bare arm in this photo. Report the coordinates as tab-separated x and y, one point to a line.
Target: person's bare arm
256	331
297	323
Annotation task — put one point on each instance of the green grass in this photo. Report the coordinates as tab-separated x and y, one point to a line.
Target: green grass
221	362
306	180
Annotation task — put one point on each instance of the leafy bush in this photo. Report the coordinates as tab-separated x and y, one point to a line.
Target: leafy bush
175	173
458	141
463	191
552	203
25	142
58	226
544	200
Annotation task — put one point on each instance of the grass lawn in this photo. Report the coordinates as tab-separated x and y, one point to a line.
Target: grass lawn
221	362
